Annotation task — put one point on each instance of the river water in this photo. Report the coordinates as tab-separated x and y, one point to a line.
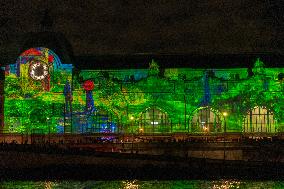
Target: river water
137	184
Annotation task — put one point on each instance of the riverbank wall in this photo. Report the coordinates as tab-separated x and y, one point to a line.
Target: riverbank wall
77	162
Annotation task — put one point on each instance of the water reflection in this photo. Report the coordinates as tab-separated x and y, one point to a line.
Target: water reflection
225	184
48	185
131	184
138	184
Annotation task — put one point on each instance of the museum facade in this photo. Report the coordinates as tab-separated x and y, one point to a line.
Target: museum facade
43	95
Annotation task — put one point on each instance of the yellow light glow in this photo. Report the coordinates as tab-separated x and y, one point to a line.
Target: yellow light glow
131	184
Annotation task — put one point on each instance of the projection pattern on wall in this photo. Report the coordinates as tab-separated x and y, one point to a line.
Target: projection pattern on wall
140	100
34	92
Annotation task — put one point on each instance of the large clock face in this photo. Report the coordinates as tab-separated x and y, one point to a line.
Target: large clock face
38	70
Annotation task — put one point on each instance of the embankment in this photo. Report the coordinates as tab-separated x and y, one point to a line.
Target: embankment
27	162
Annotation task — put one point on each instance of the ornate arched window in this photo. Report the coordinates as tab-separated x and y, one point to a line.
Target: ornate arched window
154	120
206	119
259	119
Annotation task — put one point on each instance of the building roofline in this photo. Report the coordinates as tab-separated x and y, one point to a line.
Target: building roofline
141	61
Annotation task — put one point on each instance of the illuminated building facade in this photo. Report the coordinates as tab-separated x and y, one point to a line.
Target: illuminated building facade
42	95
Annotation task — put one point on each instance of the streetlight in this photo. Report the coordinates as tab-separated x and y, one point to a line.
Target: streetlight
47	119
225	114
132	125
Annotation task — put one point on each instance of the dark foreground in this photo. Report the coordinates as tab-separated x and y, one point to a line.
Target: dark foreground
50	163
145	184
149	172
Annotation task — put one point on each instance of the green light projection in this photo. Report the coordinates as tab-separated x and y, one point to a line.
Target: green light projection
146	100
35	103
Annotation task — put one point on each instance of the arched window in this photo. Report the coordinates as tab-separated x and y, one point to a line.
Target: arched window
206	120
259	119
154	120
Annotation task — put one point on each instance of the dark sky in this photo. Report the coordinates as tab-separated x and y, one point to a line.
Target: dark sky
153	26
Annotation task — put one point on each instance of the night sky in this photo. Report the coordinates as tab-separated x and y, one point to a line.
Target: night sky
150	27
